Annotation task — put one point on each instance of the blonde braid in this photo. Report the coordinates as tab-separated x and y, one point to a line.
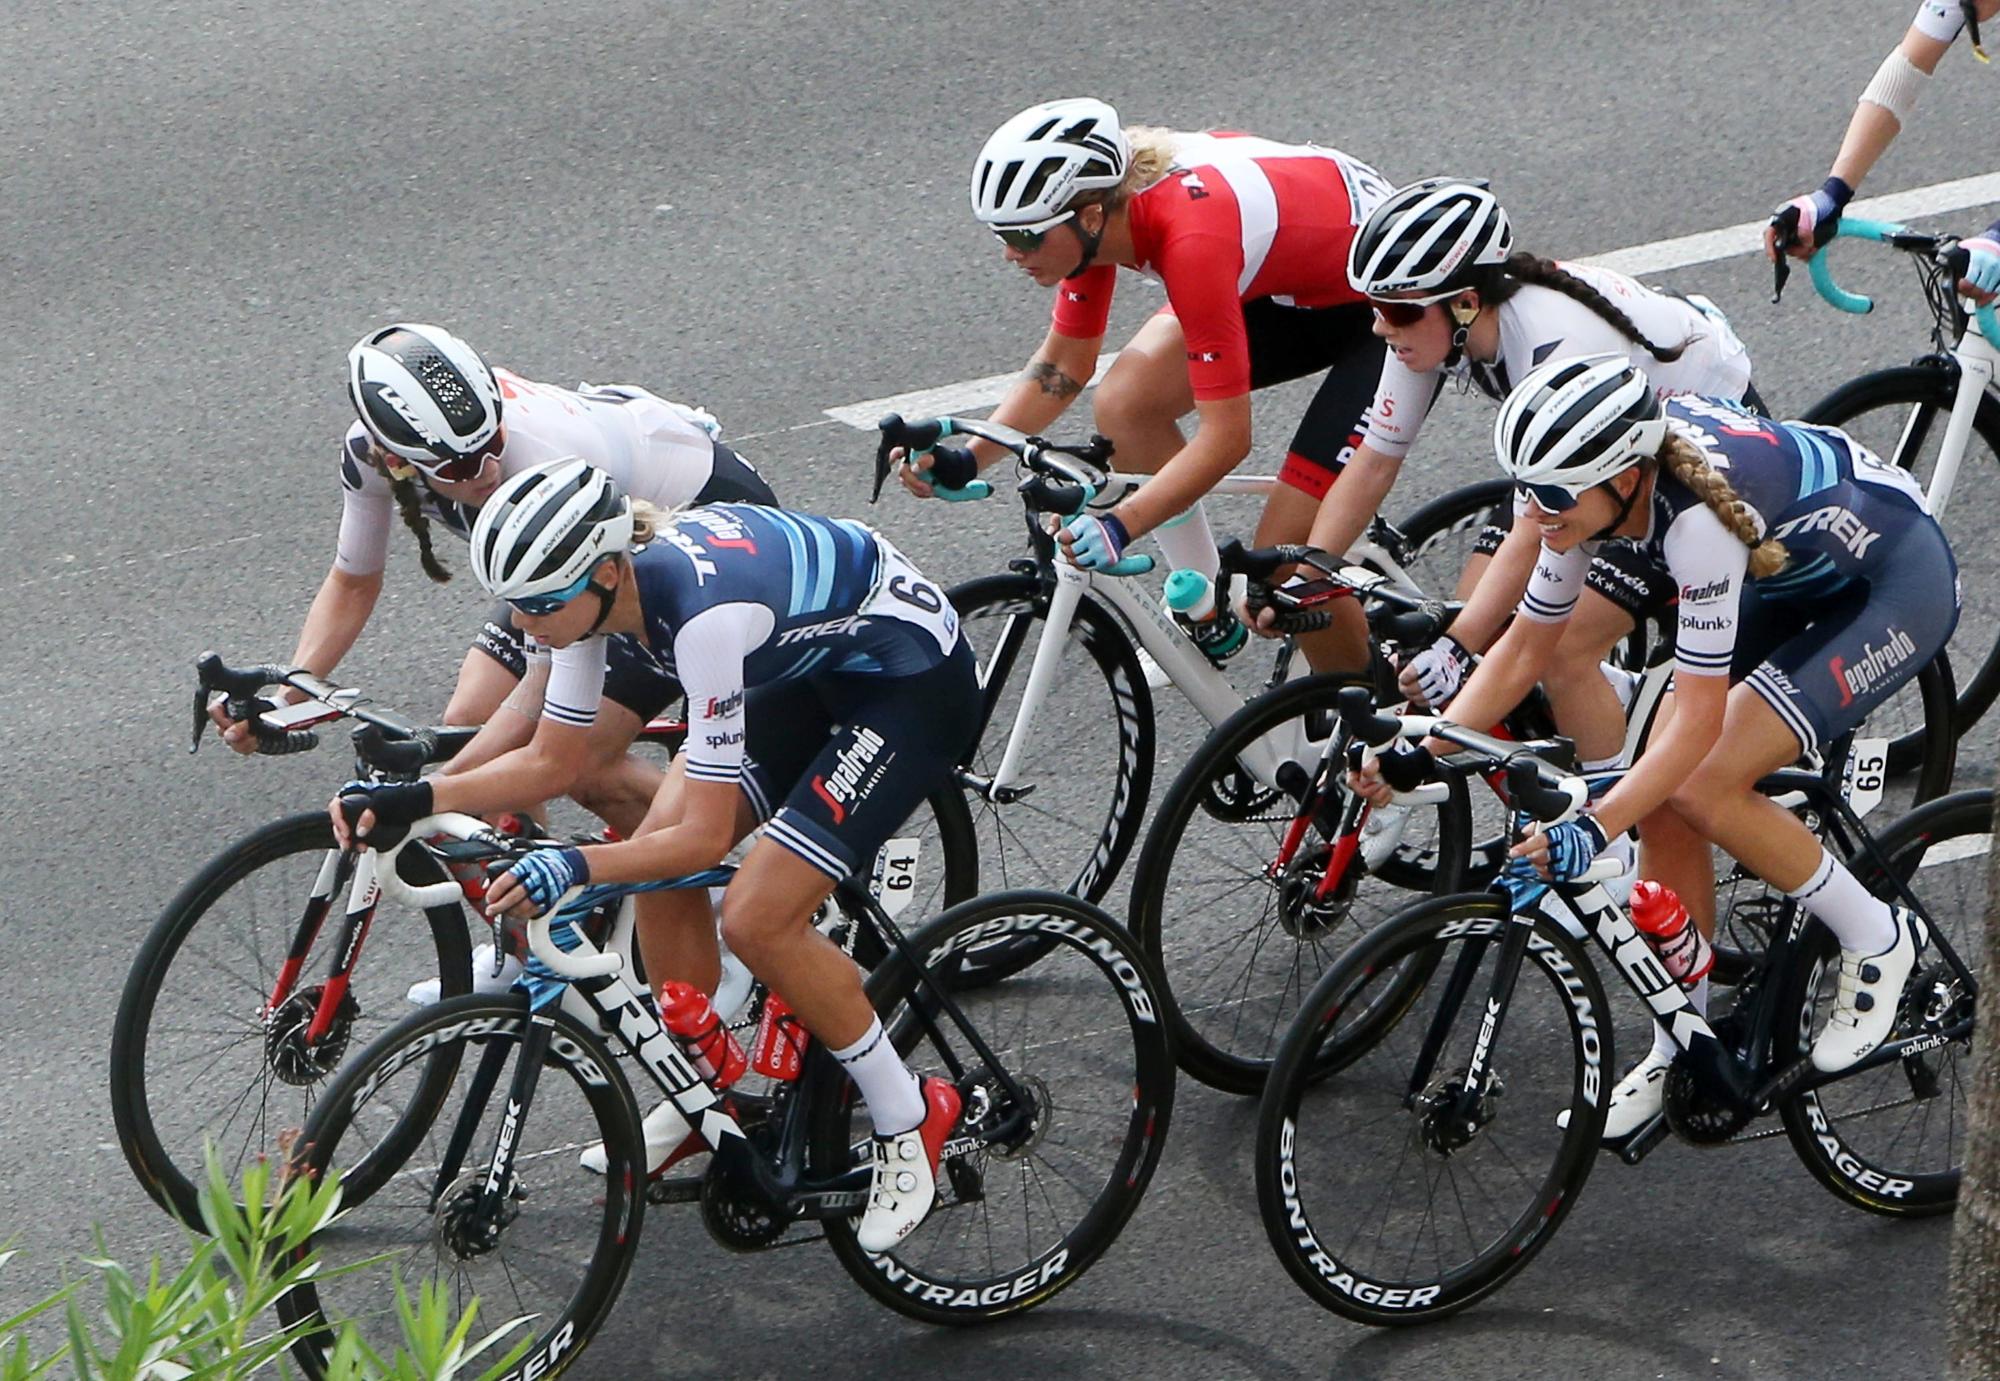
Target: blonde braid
650	519
1686	463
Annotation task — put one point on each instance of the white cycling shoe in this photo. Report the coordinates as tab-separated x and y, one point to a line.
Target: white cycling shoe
669	1140
1636	1100
905	1179
1871	987
484	980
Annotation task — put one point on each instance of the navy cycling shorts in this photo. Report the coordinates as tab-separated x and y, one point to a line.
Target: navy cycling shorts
836	764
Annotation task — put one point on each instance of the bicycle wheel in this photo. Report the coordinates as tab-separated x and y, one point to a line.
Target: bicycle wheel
1442	532
1032	1189
560	1253
932	862
1901	414
1385	1202
1085	771
1228	902
196	1053
1891	1138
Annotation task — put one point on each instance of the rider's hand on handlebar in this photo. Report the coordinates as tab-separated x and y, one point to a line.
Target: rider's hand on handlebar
1368	784
233	732
1094	541
1806	222
1981	282
383	812
536	883
1559	852
954	467
1432	676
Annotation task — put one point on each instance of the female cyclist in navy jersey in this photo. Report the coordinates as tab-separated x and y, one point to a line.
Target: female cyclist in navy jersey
1812	583
436	432
829	690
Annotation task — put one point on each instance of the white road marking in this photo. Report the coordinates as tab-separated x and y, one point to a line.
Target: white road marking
1657	257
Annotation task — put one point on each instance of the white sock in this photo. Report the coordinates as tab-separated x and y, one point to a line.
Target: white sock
1663	1044
1836	897
895	1099
1188	543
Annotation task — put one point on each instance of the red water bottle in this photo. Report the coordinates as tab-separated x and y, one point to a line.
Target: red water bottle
779	1050
1684	951
685	1010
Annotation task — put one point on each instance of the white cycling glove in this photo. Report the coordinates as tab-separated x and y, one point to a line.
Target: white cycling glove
1440	670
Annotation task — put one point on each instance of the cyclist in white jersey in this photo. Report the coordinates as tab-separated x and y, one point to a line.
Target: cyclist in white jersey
1456	302
437	430
1807	221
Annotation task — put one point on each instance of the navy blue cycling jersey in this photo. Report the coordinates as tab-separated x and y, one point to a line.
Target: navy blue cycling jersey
1839	510
738	596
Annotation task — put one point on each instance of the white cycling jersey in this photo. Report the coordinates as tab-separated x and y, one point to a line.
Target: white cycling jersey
1538	324
1939	19
658	451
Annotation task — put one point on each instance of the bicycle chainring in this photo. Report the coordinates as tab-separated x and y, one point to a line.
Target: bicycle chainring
1234	796
1694	1115
737	1224
287	1053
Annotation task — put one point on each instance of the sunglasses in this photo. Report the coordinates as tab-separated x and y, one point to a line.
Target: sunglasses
539	605
459	469
1398	313
1028	241
1552	498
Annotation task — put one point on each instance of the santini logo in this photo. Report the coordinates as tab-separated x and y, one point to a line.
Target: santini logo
1876	662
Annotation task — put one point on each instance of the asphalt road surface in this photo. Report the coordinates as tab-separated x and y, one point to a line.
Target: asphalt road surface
760	207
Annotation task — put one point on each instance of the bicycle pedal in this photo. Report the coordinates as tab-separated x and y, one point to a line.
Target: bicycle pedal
681	1189
1634	1146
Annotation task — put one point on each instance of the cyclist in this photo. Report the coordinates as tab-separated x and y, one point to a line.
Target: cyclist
1808	221
1248	236
436	432
1812	582
829	692
1456	301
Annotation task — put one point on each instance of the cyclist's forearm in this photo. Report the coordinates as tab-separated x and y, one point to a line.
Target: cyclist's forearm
339	612
699	841
1354	500
1054	378
539	771
1874	126
1493	599
510	727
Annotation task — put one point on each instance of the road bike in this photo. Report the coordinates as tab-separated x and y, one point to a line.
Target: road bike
1406	1171
249	990
1939	418
1065	1076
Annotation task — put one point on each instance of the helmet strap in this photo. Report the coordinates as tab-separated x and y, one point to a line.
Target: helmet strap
1090	240
1462	315
607	596
1624	511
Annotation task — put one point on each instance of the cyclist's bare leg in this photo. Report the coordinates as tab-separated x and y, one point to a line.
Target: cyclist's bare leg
1288	517
1138	406
767	919
615	786
1470	576
1673	852
482	685
1585	706
675	929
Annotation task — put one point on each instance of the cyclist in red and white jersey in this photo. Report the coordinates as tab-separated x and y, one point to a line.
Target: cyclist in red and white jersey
437	430
1807	221
1249	238
1457	302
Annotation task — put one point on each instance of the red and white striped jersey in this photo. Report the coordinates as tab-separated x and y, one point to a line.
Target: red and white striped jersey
1236	218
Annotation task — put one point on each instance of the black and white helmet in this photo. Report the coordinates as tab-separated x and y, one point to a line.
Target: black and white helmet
544	529
423	393
1574	423
1429	237
1040	161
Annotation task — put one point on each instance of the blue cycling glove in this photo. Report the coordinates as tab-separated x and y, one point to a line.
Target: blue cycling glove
1982	269
397	806
546	874
1573	845
1097	540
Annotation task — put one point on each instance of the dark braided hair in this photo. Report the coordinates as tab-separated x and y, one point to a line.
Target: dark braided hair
1496	283
403	486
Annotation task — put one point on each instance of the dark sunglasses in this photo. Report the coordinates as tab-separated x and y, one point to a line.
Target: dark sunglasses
1028	241
460	469
1398	313
539	605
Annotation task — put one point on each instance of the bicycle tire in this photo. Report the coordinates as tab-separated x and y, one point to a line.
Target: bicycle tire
1957	828
1064	1015
1088	861
1924	393
470	1026
1464	510
1205	958
172	1177
1299	1175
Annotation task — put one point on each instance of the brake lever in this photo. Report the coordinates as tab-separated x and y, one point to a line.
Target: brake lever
1786	222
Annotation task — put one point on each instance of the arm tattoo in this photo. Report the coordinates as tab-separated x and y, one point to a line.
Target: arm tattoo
1052	380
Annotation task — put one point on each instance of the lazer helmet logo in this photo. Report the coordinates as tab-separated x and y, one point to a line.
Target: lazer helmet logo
851	780
1876	662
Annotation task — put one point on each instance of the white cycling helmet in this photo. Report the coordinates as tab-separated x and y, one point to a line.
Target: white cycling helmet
545	529
1040	161
1574	423
423	393
1429	237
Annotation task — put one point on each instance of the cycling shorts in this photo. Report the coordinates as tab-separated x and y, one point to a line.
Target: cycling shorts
735	480
837	763
1292	342
1825	664
632	677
